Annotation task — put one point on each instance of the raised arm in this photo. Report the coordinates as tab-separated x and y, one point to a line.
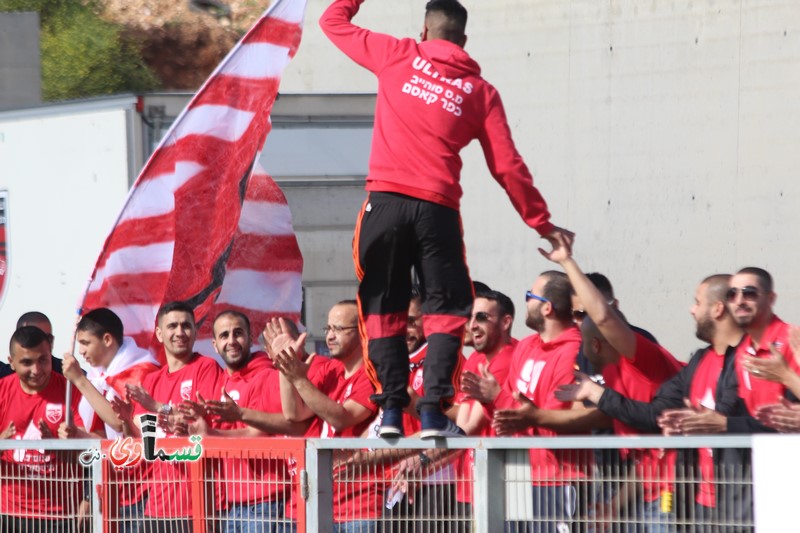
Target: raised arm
367	48
607	319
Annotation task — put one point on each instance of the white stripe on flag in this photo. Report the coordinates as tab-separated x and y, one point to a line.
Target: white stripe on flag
136	260
156	196
258	61
219	121
265	218
262	291
137	318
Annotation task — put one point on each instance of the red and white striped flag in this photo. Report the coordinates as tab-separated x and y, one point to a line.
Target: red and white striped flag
201	224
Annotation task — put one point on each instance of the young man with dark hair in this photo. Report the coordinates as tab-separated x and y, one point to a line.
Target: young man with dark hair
431	103
115	361
41	489
185	375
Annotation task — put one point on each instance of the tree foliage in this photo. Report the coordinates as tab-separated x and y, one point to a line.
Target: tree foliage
83	55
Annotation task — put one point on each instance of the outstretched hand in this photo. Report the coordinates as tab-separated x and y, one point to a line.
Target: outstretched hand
582	389
561	241
288	363
692	421
225	410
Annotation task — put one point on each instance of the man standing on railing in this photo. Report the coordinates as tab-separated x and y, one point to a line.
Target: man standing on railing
345	410
186	375
41	490
539	364
432	102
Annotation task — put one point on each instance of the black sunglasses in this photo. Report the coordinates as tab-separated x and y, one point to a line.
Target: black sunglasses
749	293
482	317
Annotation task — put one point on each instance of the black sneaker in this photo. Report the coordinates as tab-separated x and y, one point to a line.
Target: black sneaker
435	424
391	423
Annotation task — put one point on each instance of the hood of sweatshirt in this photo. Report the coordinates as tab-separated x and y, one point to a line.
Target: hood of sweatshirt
449	59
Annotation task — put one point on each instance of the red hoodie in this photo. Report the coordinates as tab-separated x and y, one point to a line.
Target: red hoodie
432	102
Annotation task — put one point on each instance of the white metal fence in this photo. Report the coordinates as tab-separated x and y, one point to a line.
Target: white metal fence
575	484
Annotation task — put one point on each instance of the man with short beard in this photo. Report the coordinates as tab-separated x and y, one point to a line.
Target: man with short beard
252	490
539	364
490	329
708	382
185	375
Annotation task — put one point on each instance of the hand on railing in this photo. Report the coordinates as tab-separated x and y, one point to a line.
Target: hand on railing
783	416
483	387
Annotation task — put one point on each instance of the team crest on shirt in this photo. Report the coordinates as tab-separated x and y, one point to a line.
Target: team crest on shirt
186	389
417	380
53	412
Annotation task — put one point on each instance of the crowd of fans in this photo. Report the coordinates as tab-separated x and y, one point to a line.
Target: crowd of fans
584	369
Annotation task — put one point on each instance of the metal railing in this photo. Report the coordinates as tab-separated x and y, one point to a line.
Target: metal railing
577	484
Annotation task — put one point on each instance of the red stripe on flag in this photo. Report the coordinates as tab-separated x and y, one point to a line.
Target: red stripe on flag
266	253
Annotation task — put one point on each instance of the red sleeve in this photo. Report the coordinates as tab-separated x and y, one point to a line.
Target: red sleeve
209	380
471	365
509	170
362	390
653	361
367	48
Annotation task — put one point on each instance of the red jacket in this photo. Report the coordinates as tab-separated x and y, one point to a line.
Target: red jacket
431	103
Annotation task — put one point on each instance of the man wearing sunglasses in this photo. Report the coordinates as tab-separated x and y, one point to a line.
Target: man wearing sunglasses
490	328
630	364
539	364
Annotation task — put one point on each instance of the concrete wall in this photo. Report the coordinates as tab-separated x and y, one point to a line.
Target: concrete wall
66	171
20	65
663	133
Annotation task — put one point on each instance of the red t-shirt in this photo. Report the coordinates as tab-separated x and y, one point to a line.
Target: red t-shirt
498	367
432	102
252	481
703	392
756	391
325	373
639	379
168	495
34	480
355	500
537	369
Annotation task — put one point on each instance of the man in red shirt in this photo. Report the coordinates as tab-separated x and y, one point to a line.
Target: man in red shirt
41	489
346	410
431	103
630	364
252	490
490	330
539	364
185	375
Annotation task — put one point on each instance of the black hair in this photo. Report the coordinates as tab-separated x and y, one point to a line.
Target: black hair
504	303
100	321
174	306
234	313
558	291
764	277
455	14
27	337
